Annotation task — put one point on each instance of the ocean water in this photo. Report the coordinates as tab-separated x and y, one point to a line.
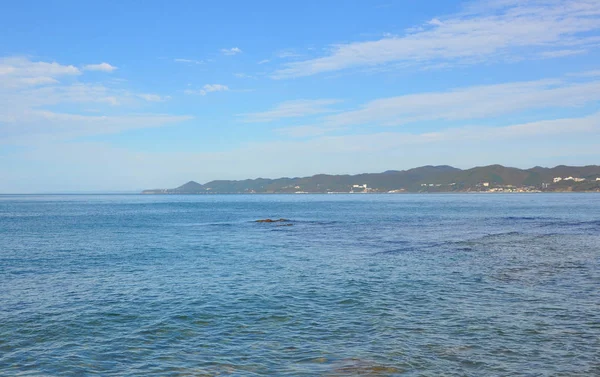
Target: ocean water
358	285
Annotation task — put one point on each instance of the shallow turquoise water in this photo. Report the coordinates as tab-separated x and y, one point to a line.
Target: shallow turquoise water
370	285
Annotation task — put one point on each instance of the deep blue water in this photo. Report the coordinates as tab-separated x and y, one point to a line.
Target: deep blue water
369	285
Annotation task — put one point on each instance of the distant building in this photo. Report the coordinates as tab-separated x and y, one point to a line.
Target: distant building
557	179
579	179
364	186
597	179
569	179
486	184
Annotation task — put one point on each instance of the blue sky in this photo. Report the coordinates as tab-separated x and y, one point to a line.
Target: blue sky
113	95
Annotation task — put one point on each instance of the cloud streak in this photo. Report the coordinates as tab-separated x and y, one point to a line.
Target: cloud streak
188	61
153	97
291	109
495	30
231	51
45	126
476	102
208	88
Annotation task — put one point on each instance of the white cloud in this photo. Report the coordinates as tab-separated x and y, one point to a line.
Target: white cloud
287	53
231	51
153	97
103	67
189	61
561	53
18	72
40	80
477	102
208	88
49	95
383	143
264	61
435	22
292	109
494	30
47	126
592	73
302	131
20	66
30	92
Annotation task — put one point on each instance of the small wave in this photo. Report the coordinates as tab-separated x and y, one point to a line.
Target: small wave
571	224
464	249
221	224
526	218
318	222
402	250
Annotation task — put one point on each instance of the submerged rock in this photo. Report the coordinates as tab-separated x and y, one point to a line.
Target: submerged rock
357	367
272	220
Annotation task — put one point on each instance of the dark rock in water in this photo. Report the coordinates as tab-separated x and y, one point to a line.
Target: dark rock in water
272	221
285	224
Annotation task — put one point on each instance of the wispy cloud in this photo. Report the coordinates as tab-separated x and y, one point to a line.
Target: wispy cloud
47	126
264	61
493	30
231	51
208	88
31	91
102	67
302	131
188	61
592	73
287	53
291	109
476	102
561	53
380	142
16	72
153	97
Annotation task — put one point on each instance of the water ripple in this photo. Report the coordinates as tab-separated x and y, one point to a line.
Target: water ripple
411	285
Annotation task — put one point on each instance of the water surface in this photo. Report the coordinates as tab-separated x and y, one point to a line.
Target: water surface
370	285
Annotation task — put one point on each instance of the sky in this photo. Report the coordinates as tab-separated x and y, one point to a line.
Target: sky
125	95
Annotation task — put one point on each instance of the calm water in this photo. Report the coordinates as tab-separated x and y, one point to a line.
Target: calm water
369	285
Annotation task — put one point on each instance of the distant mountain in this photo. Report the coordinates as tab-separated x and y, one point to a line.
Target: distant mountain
190	188
422	179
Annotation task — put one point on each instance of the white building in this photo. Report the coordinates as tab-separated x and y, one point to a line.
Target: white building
597	179
486	184
569	179
579	179
557	179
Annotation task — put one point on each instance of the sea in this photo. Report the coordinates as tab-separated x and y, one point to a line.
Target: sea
348	285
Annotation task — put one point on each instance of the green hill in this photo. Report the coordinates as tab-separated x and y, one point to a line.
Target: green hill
426	178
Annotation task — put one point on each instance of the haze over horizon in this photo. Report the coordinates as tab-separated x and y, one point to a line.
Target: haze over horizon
116	96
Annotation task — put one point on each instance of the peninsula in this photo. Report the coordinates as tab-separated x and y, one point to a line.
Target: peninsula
493	178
